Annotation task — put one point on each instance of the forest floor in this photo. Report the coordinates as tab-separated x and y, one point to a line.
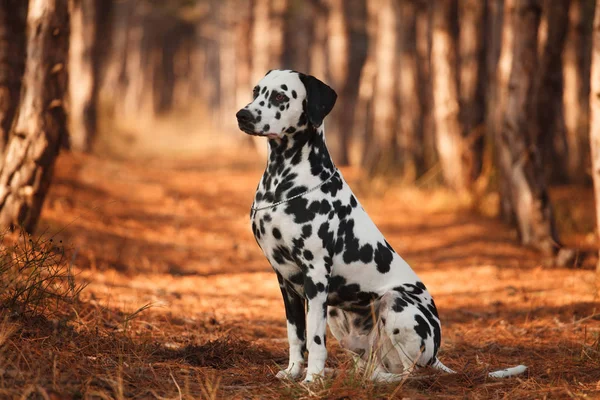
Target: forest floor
181	303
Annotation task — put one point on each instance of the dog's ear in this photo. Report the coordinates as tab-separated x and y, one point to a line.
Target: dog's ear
320	99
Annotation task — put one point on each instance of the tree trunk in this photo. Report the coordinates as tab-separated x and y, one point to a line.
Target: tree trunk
410	121
337	68
472	73
40	127
347	23
549	132
595	116
449	141
12	62
576	91
498	108
519	156
381	146
424	34
83	74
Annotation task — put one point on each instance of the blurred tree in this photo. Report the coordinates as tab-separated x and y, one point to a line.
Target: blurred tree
424	38
497	107
519	157
595	116
40	126
409	92
455	157
12	56
472	74
83	73
381	146
549	131
349	22
576	94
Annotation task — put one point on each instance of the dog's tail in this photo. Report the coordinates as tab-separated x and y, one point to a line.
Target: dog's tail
503	373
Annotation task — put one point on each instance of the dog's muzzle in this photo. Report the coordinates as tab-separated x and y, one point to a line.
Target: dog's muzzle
246	121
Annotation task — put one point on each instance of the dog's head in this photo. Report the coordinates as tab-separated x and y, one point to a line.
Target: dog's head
285	102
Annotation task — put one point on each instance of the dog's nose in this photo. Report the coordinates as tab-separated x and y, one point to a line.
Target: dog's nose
244	115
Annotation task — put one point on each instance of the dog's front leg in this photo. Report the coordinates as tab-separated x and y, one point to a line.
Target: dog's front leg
296	330
316	289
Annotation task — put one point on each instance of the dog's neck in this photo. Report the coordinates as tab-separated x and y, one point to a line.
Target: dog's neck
298	160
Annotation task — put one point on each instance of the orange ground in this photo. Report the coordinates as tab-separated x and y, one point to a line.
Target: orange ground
176	235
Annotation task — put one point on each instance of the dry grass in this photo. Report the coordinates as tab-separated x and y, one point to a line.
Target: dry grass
180	302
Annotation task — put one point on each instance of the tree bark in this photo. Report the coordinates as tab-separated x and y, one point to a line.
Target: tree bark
83	74
40	127
450	145
381	148
549	132
472	72
497	109
424	34
12	62
410	121
338	54
576	91
349	24
595	116
519	156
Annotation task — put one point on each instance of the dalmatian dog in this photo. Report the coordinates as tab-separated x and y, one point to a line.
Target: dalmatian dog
333	265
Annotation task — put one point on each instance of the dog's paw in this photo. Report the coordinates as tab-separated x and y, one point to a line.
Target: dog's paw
312	377
292	372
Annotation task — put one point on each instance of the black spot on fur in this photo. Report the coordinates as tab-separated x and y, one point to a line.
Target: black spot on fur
383	258
276	233
396	331
308	255
310	289
317	340
278	115
284	87
306	231
262	103
294	94
291	129
422	327
333	313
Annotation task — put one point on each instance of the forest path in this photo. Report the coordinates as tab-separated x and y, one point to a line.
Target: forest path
178	236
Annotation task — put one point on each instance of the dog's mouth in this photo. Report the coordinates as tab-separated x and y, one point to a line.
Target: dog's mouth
249	129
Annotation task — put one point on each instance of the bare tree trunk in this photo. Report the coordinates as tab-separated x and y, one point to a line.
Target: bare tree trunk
424	34
243	54
364	115
347	23
318	51
40	127
548	91
595	116
337	68
576	92
472	14
12	61
298	34
381	148
449	141
410	121
83	74
228	59
519	156
498	108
